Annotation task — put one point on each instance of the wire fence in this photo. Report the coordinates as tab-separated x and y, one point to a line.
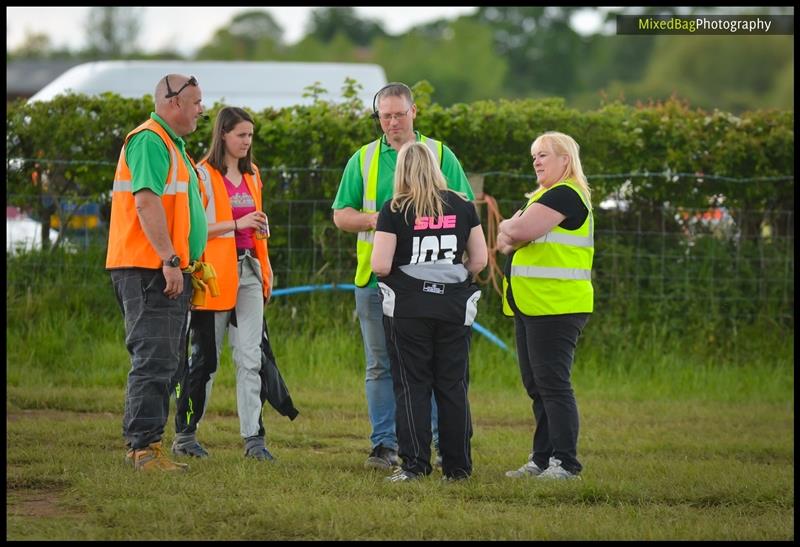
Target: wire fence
736	262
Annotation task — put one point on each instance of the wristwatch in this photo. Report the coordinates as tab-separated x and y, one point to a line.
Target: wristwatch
173	262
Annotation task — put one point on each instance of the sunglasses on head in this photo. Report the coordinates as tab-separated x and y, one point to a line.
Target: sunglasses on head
191	81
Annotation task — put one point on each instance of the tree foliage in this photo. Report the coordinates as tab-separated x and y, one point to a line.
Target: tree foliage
726	72
532	52
535	52
112	31
36	45
250	36
327	22
542	49
457	58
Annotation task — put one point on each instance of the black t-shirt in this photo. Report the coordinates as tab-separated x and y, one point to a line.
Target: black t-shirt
566	201
428	239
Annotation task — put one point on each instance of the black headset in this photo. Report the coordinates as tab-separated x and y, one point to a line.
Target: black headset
375	114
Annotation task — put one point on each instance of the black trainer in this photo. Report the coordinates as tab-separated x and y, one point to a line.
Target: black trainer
382	458
255	448
191	448
259	453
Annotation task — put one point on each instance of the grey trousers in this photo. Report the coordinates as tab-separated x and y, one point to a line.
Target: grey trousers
155	336
244	327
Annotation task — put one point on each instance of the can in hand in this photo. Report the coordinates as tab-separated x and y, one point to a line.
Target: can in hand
263	233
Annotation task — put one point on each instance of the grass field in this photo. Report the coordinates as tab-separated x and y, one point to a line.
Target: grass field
674	451
687	431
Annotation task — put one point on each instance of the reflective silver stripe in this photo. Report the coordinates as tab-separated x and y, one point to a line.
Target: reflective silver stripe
211	207
174	174
170	189
566	239
431	271
204	176
369	156
366	236
569	239
434	147
543	272
176	188
122	186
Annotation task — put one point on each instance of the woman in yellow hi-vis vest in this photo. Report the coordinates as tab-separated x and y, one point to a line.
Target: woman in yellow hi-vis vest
548	289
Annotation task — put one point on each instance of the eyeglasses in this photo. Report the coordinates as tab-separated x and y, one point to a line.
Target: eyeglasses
191	81
388	117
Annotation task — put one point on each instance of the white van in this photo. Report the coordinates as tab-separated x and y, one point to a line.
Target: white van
256	85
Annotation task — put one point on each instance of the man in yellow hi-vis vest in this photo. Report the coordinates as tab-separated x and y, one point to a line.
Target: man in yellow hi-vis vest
548	289
367	183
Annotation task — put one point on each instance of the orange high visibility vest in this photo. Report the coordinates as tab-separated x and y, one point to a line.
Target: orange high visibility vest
128	246
221	250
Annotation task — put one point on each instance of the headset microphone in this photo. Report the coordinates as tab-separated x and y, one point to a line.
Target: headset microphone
375	115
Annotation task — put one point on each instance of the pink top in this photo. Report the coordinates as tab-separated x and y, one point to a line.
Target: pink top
242	204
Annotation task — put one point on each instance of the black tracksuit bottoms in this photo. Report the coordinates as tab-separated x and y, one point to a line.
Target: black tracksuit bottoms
546	349
431	355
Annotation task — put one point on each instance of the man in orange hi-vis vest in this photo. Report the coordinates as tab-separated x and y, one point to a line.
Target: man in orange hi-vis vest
158	227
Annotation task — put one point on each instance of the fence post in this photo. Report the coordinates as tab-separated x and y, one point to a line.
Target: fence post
476	183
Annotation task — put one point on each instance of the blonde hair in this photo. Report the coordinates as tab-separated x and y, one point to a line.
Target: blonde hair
418	181
565	145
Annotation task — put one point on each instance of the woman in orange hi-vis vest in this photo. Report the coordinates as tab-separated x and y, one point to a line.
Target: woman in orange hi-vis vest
237	248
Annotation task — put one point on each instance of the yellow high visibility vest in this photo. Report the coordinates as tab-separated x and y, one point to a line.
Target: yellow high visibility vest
553	274
368	160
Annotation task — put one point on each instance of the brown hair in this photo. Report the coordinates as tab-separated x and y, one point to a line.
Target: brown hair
228	118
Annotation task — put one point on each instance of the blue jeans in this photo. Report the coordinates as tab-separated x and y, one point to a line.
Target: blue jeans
380	393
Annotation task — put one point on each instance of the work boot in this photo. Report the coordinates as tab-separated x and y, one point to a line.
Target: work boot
152	458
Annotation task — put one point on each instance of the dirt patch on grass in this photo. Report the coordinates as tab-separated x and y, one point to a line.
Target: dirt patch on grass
37	503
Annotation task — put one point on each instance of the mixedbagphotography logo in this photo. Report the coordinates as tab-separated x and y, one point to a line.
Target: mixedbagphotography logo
705	24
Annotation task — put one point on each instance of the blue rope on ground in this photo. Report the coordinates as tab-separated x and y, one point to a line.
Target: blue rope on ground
349	287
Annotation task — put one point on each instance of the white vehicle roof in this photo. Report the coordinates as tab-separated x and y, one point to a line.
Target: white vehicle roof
256	85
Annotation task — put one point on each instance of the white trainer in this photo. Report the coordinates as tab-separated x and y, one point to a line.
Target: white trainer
530	469
555	471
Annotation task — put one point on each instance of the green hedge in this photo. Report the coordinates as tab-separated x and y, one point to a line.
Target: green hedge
76	140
